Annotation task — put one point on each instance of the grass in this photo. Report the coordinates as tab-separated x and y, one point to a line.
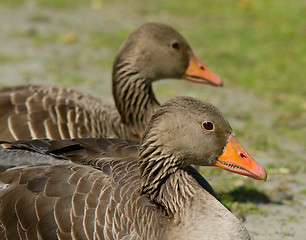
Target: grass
47	3
240	196
5	58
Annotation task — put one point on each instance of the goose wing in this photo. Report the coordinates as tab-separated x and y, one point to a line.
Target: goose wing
34	111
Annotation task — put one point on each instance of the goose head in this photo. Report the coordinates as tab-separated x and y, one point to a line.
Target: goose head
194	132
156	51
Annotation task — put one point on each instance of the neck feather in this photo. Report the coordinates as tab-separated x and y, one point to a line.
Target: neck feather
163	179
134	97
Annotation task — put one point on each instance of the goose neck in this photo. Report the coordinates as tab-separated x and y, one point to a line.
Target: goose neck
164	180
133	96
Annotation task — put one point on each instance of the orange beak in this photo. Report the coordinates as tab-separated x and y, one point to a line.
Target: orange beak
235	159
198	72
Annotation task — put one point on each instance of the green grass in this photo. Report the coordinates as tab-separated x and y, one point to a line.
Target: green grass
241	199
5	58
47	3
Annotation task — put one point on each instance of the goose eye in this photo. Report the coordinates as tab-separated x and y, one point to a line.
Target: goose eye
175	45
208	126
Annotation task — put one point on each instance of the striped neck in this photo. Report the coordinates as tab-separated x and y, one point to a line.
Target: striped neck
162	178
134	98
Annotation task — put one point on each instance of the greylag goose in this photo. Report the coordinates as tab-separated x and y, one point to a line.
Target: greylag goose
153	51
117	189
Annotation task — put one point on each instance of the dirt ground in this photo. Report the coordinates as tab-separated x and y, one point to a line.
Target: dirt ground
50	46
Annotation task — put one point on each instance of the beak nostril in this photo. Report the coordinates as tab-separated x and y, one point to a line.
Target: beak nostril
242	155
202	68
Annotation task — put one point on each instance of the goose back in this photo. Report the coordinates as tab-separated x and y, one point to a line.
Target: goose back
35	111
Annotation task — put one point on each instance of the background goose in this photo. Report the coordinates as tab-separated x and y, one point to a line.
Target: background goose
153	51
118	190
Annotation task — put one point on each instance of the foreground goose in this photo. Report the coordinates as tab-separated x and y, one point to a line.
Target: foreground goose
153	51
117	190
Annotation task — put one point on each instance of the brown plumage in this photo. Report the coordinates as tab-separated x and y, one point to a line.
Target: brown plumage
153	51
116	189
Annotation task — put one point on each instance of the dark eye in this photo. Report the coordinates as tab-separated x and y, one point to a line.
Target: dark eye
208	126
175	45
